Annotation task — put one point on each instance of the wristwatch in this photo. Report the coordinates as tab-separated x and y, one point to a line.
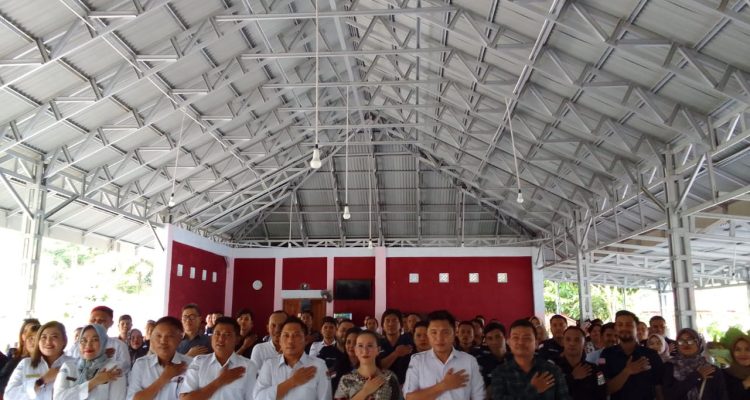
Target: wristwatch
39	382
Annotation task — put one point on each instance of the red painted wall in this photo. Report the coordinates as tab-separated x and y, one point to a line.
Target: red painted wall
504	301
304	270
246	271
207	294
355	268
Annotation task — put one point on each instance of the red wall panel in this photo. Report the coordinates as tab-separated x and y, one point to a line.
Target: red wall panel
304	270
355	268
246	271
506	302
207	294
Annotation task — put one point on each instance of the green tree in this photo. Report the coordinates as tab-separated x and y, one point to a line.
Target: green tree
562	298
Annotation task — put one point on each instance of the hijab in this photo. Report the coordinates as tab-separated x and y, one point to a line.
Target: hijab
88	368
735	369
685	365
664	351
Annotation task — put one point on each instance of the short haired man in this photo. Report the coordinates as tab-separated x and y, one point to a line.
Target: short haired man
333	355
271	348
371	324
194	342
443	372
124	325
313	336
526	375
158	375
658	325
609	339
478	325
248	339
395	348
465	337
633	372
585	380
421	340
551	349
104	316
293	375
409	322
328	334
493	353
223	375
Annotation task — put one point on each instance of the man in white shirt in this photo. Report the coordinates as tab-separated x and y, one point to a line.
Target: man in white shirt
293	375
160	374
223	375
271	348
328	331
116	349
456	373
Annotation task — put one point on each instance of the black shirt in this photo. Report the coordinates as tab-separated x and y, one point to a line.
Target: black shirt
487	363
199	340
674	389
592	387
641	386
735	388
550	350
337	362
401	364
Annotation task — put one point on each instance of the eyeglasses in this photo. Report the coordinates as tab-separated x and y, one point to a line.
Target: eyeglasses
191	317
686	342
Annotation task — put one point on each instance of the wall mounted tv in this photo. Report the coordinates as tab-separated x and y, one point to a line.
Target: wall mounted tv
347	289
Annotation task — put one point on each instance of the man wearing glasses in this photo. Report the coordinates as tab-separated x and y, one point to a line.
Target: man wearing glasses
193	341
293	375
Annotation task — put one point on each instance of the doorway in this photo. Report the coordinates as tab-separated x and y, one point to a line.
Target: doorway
317	306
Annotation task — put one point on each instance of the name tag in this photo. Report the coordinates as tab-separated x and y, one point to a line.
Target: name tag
31	376
71	378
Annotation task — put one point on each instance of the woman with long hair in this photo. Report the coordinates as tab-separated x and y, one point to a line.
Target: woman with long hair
34	375
368	381
658	344
689	375
94	376
347	361
26	343
738	374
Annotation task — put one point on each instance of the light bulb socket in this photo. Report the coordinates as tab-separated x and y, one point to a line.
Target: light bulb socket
519	199
369	244
347	214
315	162
171	202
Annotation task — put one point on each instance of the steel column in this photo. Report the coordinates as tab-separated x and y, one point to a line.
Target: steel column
582	268
32	228
678	229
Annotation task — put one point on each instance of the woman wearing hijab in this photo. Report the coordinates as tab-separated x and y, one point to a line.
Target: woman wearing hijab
689	375
738	374
94	376
34	376
658	344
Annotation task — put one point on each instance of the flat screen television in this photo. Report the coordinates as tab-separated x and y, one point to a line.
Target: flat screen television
353	289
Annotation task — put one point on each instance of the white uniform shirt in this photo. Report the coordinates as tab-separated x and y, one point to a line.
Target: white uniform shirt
317	346
426	370
22	382
276	371
147	370
122	355
66	387
206	368
263	352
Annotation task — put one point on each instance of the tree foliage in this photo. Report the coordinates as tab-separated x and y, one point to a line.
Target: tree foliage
562	298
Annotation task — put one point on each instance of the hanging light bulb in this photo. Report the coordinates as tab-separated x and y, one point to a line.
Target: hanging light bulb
171	200
347	214
315	162
519	199
369	244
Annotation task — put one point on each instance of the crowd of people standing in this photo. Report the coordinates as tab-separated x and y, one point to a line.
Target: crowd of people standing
399	356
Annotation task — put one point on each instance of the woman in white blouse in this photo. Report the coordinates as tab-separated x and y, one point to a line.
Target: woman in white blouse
34	376
94	376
